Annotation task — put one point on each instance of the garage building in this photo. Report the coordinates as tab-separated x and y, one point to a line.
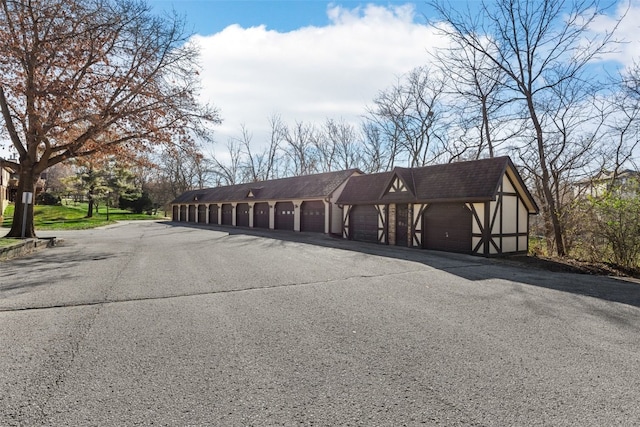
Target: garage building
479	207
303	203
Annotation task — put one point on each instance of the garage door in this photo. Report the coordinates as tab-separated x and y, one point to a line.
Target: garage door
261	215
213	214
312	216
192	213
183	213
202	214
227	214
242	215
363	223
176	213
447	227
284	215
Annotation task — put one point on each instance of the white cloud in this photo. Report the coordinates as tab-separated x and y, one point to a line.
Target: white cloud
311	73
628	31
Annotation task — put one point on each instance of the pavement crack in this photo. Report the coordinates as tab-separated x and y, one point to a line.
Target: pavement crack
107	301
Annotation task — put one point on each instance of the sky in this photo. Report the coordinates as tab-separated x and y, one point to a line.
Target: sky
309	60
302	60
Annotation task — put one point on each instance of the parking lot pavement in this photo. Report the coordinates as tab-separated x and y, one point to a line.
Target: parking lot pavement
153	323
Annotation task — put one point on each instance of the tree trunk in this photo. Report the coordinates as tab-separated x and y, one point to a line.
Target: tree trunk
26	184
552	212
90	208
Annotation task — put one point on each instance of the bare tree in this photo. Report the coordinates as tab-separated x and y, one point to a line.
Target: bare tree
325	149
179	169
229	171
300	149
344	138
261	165
624	121
475	86
375	156
409	117
539	46
252	164
272	154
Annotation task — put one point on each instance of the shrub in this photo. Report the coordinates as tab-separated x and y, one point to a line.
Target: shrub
617	220
138	205
48	199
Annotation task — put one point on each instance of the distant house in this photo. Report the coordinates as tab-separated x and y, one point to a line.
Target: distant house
10	180
478	207
6	185
627	181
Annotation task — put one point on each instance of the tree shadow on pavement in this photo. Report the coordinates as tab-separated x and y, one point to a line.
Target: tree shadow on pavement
469	267
49	269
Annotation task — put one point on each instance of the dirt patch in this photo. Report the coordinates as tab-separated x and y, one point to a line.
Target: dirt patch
567	265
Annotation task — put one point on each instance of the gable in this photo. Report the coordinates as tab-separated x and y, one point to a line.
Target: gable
397	186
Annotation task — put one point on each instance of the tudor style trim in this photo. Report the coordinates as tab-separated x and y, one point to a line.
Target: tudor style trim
397	185
383	232
416	226
498	204
346	212
494	230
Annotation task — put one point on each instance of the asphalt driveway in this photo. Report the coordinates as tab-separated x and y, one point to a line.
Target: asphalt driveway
149	323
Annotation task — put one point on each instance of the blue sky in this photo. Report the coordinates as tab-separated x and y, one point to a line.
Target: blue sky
207	17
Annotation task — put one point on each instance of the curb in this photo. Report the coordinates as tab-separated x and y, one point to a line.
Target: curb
25	247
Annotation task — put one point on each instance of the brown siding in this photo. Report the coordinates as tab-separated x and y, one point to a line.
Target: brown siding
261	215
312	216
447	227
242	215
363	223
284	216
227	214
213	214
202	213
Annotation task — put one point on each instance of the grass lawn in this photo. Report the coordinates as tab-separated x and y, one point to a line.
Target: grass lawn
7	242
73	217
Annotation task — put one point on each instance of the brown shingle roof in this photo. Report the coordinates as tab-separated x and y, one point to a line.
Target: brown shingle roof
299	187
469	181
365	189
473	180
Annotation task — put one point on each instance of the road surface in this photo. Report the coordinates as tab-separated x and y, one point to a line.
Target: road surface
148	323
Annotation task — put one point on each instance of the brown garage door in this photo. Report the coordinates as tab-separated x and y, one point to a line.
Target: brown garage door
242	215
202	213
227	214
176	213
363	223
192	213
261	215
447	227
312	216
284	215
213	214
183	213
